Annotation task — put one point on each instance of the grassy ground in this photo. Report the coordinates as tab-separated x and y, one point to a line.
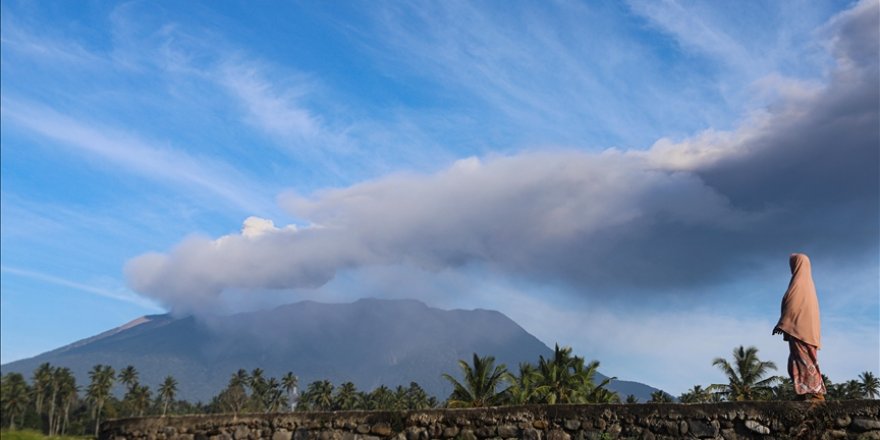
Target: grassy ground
29	434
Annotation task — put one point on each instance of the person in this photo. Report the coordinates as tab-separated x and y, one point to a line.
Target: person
799	325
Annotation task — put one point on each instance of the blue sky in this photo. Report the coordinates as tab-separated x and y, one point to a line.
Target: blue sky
627	178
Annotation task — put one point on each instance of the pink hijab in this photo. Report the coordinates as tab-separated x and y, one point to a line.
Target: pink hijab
800	306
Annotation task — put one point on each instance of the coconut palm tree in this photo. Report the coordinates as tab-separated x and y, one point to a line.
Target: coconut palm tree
481	383
416	398
380	398
603	395
167	391
590	391
566	379
746	376
58	377
273	397
41	382
346	397
140	398
870	385
234	396
290	382
14	397
240	378
319	395
398	403
660	396
257	384
128	376
522	388
67	395
697	394
631	398
101	377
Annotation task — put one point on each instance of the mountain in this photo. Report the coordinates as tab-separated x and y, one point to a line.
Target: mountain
369	342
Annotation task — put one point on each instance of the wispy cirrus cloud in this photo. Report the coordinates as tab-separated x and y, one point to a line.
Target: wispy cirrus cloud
121	294
202	176
489	58
275	111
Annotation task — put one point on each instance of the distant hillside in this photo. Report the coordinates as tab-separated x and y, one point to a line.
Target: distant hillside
369	342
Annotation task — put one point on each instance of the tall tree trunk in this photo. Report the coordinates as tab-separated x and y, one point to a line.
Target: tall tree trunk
66	417
52	412
164	407
98	418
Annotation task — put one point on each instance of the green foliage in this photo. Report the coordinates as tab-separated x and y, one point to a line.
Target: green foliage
15	398
697	394
661	396
167	391
481	383
562	378
746	376
101	377
869	385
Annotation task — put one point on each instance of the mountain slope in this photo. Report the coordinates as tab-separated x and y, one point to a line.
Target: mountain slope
369	342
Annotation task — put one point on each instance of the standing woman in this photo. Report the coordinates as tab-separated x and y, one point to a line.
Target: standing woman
799	324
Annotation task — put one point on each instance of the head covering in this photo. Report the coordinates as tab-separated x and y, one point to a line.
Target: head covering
800	306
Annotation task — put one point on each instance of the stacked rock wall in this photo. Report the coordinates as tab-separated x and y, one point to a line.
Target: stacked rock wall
732	420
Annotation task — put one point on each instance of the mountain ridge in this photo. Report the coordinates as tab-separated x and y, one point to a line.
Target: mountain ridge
370	342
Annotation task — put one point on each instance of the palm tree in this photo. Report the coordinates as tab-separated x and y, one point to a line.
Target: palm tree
416	397
140	398
854	390
660	396
128	376
870	385
590	392
346	397
14	396
319	395
54	388
603	395
381	398
522	388
257	383
746	376
631	398
234	396
67	394
566	379
273	397
481	383
41	379
240	378
102	377
166	392
697	394
290	382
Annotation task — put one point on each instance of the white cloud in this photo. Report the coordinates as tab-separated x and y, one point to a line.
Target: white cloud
123	295
200	175
277	112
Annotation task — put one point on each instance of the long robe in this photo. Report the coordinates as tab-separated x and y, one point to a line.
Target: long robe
799	321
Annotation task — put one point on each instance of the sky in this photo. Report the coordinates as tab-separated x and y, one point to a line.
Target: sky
625	178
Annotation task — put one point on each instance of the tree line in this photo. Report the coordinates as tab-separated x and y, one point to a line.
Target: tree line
53	402
749	378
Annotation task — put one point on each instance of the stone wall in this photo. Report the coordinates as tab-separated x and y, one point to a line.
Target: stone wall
730	420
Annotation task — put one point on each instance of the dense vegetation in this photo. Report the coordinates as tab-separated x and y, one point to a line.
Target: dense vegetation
53	403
